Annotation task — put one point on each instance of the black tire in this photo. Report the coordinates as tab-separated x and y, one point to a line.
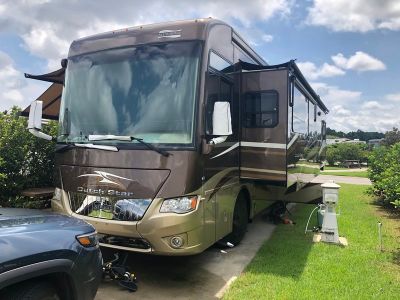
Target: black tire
240	221
35	290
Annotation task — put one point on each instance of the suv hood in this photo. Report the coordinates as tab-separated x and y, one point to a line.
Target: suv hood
21	220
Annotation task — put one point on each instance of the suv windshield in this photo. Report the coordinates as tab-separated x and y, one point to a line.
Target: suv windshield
146	91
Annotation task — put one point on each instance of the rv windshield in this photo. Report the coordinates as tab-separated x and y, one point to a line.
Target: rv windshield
147	91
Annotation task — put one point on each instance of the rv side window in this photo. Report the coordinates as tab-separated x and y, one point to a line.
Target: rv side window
218	63
219	88
261	109
300	113
241	55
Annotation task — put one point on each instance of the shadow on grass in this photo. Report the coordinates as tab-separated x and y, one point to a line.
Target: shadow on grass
286	253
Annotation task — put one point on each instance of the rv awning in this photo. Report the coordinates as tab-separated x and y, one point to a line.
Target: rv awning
52	96
51	102
300	79
55	77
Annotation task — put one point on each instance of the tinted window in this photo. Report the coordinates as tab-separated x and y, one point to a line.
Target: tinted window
300	112
244	57
218	63
219	89
146	91
261	109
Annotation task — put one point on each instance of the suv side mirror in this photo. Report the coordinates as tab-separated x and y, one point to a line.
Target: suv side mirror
222	123
35	120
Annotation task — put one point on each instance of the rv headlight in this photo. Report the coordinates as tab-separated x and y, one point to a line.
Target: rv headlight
179	205
57	194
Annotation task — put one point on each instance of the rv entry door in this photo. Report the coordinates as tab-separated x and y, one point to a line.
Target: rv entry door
264	123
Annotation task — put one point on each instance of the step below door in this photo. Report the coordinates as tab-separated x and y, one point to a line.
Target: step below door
264	123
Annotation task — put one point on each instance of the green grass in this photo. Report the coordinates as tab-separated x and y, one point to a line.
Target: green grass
304	170
334	168
291	266
352	174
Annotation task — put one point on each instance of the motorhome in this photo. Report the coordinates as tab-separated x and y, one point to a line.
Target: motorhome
173	136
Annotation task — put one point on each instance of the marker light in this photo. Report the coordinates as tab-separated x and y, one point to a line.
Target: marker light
179	205
176	242
88	240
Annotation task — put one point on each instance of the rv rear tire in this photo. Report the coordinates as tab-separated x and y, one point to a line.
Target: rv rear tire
240	221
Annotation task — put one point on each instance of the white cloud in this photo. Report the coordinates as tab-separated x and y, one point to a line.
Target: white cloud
393	97
372	105
267	38
339	110
349	111
48	27
11	81
14	90
355	15
312	72
333	95
360	61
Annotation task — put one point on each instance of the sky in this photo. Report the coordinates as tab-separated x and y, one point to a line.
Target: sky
348	50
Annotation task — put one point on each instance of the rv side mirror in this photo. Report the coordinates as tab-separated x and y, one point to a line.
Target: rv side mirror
35	120
64	63
222	123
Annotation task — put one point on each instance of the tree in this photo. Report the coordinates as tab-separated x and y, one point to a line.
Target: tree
359	134
25	161
346	151
392	137
384	173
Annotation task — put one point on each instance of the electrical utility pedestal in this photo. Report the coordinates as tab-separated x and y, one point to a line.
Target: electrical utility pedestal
329	232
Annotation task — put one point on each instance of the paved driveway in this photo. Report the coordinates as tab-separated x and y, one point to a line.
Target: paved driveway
342	179
204	276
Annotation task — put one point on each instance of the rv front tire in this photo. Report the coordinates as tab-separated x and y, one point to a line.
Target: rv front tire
240	221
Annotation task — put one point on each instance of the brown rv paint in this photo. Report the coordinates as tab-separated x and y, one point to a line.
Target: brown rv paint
217	179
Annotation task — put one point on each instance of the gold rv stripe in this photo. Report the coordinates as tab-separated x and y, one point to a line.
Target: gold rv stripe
264	171
251	144
263	145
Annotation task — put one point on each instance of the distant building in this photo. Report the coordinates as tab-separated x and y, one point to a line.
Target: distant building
336	141
355	141
343	140
375	142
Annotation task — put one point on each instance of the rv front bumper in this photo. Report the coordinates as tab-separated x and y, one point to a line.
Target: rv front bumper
156	233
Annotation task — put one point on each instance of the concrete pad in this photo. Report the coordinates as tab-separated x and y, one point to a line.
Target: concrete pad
203	276
342	179
317	238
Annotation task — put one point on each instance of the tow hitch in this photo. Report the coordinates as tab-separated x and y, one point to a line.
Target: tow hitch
116	270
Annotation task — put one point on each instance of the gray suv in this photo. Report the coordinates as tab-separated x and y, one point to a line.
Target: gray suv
47	256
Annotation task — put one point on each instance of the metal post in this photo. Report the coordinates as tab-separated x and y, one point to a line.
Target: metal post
380	236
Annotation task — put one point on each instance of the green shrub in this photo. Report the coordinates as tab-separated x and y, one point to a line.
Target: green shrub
346	151
25	161
385	173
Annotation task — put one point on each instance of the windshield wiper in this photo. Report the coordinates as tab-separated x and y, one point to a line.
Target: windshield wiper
128	139
65	147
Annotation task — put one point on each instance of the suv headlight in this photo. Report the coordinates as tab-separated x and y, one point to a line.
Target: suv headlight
88	239
179	205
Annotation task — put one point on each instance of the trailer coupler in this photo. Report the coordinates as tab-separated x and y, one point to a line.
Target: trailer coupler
116	270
